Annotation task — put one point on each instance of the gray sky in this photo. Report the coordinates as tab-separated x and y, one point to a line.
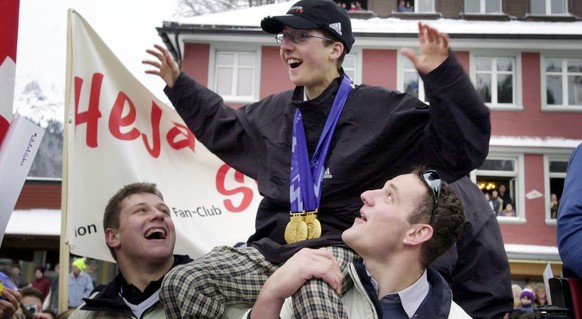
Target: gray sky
127	27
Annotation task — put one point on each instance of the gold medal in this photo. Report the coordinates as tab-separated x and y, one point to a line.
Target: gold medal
313	225
296	229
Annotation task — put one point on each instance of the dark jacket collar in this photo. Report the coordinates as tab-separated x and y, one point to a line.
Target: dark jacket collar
324	99
110	300
437	303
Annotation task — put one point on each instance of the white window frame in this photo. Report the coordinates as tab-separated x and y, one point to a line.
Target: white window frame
237	49
548	175
483	7
518	174
548	7
517	80
431	5
565	106
355	72
402	60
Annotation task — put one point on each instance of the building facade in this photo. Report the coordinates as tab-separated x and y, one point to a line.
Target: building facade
524	58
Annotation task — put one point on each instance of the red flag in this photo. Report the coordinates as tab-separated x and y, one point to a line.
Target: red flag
9	10
19	137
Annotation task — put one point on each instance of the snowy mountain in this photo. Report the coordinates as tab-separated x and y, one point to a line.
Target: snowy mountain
39	102
43	104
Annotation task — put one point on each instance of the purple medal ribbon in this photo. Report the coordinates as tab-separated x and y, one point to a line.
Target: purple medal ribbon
307	176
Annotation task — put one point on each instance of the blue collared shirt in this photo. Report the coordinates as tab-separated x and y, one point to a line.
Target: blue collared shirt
410	297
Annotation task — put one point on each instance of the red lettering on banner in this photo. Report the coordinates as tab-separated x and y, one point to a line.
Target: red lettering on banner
156	118
92	115
245	191
122	125
117	120
181	130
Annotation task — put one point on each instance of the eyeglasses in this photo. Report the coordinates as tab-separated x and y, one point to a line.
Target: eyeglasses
297	37
433	181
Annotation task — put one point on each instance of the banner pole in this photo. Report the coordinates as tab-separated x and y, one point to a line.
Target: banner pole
64	253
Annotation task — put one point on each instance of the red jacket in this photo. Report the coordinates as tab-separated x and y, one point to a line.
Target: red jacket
42	284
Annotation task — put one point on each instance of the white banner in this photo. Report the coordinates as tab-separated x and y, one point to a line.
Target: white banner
19	138
117	133
17	152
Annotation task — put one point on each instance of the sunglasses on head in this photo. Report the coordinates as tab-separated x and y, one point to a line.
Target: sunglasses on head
433	181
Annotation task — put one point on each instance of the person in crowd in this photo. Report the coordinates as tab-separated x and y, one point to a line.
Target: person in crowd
480	250
496	202
404	7
17	276
54	295
32	301
80	283
505	196
527	298
402	229
378	129
488	199
356	6
508	211
140	234
540	294
41	282
516	293
554	204
569	224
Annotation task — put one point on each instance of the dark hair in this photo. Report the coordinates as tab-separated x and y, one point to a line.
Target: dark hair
333	38
31	291
41	268
112	210
448	224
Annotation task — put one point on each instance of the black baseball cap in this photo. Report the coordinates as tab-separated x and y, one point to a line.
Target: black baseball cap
314	14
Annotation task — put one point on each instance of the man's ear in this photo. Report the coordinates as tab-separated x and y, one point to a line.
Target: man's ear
112	237
338	48
418	234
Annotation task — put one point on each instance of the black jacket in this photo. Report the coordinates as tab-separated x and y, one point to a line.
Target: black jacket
380	134
108	299
476	267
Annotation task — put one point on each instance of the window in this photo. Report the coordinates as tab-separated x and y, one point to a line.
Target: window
424	6
411	82
549	7
563	83
499	180
417	6
483	6
496	80
351	66
350	5
235	75
405	6
555	172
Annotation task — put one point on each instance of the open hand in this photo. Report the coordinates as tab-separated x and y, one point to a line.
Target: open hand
9	304
164	65
434	49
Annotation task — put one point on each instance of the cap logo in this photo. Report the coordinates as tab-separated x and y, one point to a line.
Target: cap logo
337	27
296	9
